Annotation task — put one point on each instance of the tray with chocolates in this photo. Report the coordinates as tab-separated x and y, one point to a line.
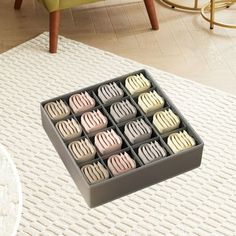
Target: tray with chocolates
119	136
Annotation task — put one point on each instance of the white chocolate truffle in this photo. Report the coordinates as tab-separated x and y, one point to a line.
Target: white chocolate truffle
180	141
166	121
150	101
137	84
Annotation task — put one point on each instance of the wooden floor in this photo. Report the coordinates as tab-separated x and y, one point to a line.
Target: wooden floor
184	45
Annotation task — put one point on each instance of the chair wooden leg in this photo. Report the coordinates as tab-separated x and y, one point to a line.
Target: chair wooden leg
54	23
17	4
152	13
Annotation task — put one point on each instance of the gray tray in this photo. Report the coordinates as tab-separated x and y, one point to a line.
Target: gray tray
145	174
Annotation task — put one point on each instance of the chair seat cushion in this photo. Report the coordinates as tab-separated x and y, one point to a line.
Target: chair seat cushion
54	5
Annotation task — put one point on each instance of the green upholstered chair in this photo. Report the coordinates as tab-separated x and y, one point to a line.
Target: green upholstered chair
54	7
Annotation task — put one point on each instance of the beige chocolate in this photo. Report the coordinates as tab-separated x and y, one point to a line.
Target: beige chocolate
95	172
82	150
57	110
69	129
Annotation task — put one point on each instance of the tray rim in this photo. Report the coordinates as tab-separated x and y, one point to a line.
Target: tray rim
144	166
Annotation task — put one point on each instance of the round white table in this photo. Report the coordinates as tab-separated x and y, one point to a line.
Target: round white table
10	195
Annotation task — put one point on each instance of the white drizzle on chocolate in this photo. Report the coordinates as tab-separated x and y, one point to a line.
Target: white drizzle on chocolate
120	163
151	151
95	172
57	110
137	84
137	131
81	102
69	129
150	101
180	141
93	121
108	141
82	150
110	92
166	121
122	111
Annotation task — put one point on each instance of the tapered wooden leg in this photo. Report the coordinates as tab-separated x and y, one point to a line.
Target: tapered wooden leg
54	22
152	13
17	5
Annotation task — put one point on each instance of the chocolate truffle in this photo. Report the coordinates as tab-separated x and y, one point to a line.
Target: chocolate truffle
137	131
180	141
93	121
166	121
110	93
69	129
150	101
81	102
107	141
95	172
57	110
137	84
82	150
120	163
122	111
151	151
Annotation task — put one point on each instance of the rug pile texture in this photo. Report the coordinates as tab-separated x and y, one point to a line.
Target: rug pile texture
200	202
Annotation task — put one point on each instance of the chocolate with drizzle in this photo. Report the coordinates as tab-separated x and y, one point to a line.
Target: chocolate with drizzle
122	111
57	110
69	129
110	93
120	163
151	151
137	131
108	141
82	150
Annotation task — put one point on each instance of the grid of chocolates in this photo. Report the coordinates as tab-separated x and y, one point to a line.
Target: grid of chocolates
119	127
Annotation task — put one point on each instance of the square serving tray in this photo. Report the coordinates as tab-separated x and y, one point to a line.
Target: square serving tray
143	175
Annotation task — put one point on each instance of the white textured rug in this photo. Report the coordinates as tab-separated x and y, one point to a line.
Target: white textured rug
200	202
10	195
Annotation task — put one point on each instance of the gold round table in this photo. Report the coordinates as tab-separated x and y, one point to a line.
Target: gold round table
178	6
211	7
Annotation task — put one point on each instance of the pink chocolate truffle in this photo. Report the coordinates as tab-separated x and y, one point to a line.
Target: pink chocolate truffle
93	121
108	141
120	163
81	102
